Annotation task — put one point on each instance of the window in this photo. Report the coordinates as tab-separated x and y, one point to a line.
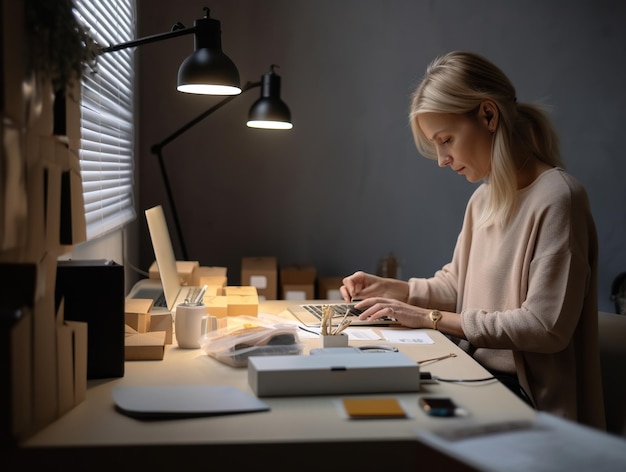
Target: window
107	114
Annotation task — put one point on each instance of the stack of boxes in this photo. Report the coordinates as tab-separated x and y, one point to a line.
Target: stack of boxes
146	334
294	282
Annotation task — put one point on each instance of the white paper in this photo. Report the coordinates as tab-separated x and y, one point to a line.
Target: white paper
552	444
409	336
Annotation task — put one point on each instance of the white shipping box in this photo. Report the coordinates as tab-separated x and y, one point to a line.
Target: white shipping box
290	375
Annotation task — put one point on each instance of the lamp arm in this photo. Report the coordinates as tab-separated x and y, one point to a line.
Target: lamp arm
183	129
158	150
149	39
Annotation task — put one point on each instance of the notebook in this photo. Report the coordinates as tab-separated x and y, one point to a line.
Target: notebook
168	292
310	314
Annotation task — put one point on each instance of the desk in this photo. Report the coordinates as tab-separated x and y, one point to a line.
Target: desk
296	433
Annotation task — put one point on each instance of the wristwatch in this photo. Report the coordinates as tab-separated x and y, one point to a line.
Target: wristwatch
435	316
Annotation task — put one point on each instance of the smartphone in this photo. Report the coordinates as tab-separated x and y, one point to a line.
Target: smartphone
438	406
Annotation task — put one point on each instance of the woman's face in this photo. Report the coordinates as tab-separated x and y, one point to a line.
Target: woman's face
462	143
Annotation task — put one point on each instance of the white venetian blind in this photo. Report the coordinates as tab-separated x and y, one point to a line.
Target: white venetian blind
107	114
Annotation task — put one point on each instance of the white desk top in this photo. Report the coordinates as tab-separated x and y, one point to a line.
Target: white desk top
296	420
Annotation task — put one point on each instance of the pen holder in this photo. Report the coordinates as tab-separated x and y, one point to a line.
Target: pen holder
335	340
190	325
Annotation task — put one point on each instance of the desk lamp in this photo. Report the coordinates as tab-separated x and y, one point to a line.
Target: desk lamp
268	112
209	71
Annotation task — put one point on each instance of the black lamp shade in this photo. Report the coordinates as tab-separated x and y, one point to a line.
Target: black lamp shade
208	70
270	111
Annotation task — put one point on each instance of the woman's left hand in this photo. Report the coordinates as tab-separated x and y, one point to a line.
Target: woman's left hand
408	315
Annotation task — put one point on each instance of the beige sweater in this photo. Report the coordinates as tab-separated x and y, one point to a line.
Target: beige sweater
527	295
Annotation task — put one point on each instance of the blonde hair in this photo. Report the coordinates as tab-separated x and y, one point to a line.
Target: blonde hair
459	82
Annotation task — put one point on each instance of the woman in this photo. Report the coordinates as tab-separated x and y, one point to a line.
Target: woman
521	289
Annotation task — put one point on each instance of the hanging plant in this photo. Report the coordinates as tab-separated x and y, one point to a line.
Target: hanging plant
61	49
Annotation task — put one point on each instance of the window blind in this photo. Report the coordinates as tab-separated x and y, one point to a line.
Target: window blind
107	114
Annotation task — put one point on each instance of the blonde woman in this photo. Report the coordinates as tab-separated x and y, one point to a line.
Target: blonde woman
520	293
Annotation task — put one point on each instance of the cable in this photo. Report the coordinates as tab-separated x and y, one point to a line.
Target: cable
465	380
427	377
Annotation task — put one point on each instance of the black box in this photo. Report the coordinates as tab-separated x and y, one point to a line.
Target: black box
93	292
17	298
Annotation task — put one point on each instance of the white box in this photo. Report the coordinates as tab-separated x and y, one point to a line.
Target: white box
332	374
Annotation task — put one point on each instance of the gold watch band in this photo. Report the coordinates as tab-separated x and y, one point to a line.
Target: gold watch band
435	316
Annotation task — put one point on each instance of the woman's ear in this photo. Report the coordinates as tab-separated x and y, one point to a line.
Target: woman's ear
489	114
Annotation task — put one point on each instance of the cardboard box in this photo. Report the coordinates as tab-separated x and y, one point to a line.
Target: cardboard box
297	282
215	285
328	288
136	313
162	322
144	346
297	275
217	306
298	292
242	300
262	273
291	375
240	290
212	271
72	363
45	375
188	272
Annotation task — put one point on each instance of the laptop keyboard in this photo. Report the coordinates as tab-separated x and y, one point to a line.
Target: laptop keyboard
339	308
160	301
340	311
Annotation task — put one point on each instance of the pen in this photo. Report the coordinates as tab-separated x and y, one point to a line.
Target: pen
200	296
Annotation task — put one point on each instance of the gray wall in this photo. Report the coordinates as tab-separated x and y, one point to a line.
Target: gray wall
346	186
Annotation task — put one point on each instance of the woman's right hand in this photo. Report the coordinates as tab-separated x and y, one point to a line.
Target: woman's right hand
361	285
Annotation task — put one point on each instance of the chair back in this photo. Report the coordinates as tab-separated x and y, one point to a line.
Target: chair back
612	338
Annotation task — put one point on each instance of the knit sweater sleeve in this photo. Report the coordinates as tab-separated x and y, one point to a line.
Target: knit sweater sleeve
535	305
522	286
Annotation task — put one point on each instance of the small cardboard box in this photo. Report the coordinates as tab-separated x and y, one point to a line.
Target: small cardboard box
144	346
217	306
262	273
297	275
242	300
212	271
162	322
298	281
328	288
136	313
215	285
188	272
240	290
298	292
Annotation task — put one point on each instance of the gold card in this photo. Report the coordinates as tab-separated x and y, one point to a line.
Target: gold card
373	408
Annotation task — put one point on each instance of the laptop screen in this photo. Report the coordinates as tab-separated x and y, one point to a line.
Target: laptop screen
164	253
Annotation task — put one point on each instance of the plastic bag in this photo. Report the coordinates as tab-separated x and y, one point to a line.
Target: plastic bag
250	336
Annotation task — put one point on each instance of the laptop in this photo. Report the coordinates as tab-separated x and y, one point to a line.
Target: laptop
168	292
310	314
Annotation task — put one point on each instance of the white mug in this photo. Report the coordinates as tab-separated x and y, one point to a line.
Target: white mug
190	324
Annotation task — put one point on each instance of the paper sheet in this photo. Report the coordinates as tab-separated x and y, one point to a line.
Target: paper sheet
409	336
552	444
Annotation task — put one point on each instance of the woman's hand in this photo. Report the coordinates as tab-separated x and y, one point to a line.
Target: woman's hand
361	285
408	315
